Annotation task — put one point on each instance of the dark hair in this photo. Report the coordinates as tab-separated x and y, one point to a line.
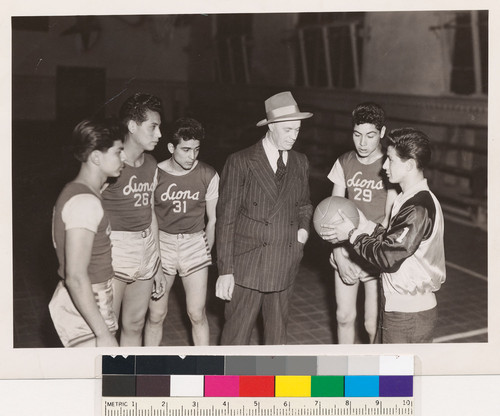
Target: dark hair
135	107
410	143
369	112
186	129
90	135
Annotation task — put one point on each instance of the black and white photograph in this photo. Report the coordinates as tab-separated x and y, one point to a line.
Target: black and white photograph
215	181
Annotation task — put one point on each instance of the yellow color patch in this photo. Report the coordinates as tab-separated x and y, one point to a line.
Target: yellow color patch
293	386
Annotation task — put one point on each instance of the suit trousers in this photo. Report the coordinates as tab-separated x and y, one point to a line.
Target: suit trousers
242	310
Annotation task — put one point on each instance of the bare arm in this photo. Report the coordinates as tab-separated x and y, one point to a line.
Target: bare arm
338	190
160	284
78	250
211	220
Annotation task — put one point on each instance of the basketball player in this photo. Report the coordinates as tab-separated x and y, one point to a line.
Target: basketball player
128	202
186	191
82	304
358	175
410	251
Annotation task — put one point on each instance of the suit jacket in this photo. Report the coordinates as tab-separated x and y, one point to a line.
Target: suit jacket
257	226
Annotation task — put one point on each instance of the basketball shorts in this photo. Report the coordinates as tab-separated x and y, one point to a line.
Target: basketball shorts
364	275
367	278
134	254
69	323
184	253
361	274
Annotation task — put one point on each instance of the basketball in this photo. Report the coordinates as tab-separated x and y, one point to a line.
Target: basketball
327	212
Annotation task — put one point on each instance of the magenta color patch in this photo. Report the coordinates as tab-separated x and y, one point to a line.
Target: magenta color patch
222	386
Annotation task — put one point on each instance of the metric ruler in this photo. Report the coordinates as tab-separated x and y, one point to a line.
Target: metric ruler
250	406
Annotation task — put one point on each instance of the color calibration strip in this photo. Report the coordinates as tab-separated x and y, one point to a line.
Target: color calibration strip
257	376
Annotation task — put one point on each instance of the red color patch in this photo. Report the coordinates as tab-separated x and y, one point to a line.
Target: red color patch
256	386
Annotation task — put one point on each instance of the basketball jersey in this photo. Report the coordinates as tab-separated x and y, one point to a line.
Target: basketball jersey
128	199
180	201
366	185
89	216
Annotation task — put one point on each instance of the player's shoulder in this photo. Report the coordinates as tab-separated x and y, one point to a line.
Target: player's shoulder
73	189
347	157
206	169
422	199
420	206
81	203
89	200
205	166
149	159
163	165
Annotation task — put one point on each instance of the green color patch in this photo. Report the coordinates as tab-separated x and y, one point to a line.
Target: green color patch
327	386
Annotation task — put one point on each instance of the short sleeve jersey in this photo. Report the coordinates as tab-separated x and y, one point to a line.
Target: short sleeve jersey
128	199
78	207
366	185
180	201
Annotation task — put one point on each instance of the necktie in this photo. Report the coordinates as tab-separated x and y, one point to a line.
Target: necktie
281	170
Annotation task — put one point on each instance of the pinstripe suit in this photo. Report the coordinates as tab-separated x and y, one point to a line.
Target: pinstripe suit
257	238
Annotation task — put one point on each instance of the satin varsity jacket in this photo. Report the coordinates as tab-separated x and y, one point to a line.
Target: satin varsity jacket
410	252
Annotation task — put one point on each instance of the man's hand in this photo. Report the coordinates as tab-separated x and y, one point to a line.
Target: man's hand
339	230
159	285
349	272
302	236
106	340
337	255
332	261
224	287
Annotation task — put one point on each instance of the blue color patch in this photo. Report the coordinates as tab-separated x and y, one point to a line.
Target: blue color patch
361	386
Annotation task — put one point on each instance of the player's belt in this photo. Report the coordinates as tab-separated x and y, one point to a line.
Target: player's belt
181	236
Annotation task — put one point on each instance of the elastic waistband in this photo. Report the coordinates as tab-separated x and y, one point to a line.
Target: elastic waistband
396	302
181	236
143	234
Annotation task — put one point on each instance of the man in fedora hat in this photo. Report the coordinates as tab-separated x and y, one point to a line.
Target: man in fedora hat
263	219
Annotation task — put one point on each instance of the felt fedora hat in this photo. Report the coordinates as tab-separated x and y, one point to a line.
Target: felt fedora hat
282	107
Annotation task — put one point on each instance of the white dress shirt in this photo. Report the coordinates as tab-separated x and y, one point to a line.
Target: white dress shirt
272	152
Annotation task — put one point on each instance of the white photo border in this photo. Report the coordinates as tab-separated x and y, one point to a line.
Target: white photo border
432	359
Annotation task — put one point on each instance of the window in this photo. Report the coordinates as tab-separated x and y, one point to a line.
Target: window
470	54
233	40
329	49
466	36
